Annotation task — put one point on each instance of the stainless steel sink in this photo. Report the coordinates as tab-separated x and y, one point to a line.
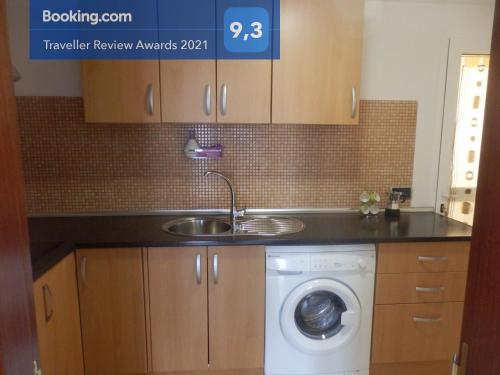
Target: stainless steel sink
246	226
197	226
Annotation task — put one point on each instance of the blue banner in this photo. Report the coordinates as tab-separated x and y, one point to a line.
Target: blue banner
154	29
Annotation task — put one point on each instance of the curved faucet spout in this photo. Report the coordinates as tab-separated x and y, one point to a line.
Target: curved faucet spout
234	213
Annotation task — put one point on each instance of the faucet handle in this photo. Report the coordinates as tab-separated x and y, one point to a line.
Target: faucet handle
241	213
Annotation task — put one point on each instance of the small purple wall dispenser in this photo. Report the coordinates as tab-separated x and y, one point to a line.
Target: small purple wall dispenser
193	150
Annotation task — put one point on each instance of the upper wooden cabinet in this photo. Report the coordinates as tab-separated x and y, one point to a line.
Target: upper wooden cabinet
112	308
58	320
189	92
121	91
317	78
244	91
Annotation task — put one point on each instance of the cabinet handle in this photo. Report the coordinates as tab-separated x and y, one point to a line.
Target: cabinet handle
48	302
223	100
421	289
432	259
354	105
150	99
216	268
419	319
83	270
198	268
208	100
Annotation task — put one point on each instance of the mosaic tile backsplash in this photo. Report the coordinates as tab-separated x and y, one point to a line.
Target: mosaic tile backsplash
74	167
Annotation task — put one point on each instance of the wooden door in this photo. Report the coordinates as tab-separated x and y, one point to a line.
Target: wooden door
178	308
112	307
58	320
244	94
320	62
17	321
236	289
189	91
481	328
121	91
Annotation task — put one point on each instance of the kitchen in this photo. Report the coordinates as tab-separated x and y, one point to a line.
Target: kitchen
136	175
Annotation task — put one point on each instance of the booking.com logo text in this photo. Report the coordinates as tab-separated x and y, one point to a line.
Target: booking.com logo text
77	16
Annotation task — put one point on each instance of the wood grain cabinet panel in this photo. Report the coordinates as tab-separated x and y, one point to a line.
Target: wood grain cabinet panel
423	257
58	320
420	287
178	305
111	289
320	62
121	91
236	287
247	86
189	91
416	332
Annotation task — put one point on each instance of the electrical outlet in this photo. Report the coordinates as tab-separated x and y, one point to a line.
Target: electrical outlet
405	192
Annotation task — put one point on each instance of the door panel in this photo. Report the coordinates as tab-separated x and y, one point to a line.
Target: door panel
320	62
481	329
17	318
178	305
58	320
119	91
112	309
236	287
247	86
189	92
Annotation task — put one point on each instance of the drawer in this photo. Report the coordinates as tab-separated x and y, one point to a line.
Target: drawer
416	332
423	257
420	287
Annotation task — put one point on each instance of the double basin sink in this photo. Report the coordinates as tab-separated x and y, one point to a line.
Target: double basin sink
246	226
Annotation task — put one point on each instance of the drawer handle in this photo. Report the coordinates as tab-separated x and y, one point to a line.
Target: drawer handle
419	319
421	289
432	259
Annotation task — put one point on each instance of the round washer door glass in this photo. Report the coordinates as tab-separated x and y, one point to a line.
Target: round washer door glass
320	315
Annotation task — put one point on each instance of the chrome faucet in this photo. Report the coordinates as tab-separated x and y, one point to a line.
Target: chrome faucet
234	213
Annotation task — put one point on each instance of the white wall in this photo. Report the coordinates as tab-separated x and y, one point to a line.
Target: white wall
405	56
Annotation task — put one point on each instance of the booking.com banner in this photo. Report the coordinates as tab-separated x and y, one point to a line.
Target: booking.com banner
152	29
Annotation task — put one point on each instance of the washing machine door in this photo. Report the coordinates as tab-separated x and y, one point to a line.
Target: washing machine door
320	315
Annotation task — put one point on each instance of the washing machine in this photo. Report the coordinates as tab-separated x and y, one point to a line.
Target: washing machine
319	309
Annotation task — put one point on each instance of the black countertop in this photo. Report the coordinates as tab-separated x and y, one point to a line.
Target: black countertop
54	238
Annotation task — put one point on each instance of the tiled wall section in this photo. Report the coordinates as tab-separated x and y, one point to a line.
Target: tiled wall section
74	167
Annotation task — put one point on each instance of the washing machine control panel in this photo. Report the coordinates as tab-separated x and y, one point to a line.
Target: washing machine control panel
320	262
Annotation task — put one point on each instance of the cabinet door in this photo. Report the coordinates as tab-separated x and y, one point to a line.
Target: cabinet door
58	320
236	288
244	91
112	307
317	78
188	91
416	332
178	308
121	91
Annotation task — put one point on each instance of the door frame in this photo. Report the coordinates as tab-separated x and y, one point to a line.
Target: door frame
18	348
478	43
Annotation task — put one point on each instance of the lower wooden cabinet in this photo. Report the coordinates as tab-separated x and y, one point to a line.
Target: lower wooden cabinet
207	308
178	309
58	320
112	307
418	307
416	332
236	289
